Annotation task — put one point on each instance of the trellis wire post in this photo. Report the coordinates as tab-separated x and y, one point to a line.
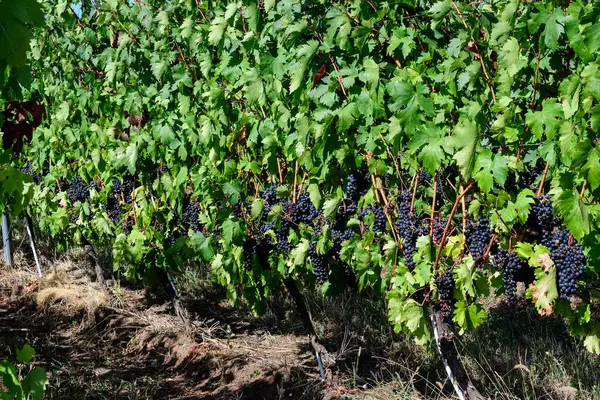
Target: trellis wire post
6	238
29	225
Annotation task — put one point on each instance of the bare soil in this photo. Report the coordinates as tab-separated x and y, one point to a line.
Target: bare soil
123	348
133	344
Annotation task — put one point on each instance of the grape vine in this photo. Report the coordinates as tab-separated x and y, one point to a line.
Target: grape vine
436	139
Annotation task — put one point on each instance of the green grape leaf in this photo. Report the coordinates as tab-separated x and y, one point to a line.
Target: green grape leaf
465	277
232	231
203	245
371	72
25	354
217	29
592	168
299	253
592	342
545	121
16	20
554	28
468	317
574	212
10	379
330	206
34	384
258	206
315	194
465	139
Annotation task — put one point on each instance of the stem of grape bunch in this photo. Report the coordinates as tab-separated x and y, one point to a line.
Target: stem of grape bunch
448	223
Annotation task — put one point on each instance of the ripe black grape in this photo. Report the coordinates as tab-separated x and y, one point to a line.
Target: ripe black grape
512	265
439	224
570	262
424	177
357	185
542	219
379	224
28	170
408	228
318	262
270	197
531	174
283	244
439	197
304	211
445	285
363	213
78	190
113	209
344	213
190	220
478	236
123	191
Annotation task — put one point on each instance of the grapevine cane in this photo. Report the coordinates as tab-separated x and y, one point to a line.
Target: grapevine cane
32	242
443	242
541	188
6	238
433	206
463	205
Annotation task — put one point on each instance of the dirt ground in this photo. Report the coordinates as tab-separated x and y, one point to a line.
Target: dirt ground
133	344
123	347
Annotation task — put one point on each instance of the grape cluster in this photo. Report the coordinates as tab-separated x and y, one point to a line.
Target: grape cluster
403	223
304	211
270	197
379	224
318	262
512	265
189	218
78	190
28	170
424	177
357	185
120	192
531	174
439	197
113	209
542	219
281	235
407	227
439	224
570	262
445	285
123	191
478	236
264	236
343	215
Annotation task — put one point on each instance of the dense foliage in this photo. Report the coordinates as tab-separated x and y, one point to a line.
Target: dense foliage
18	119
431	152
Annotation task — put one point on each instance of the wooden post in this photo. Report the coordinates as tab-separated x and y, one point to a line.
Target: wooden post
6	238
464	388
